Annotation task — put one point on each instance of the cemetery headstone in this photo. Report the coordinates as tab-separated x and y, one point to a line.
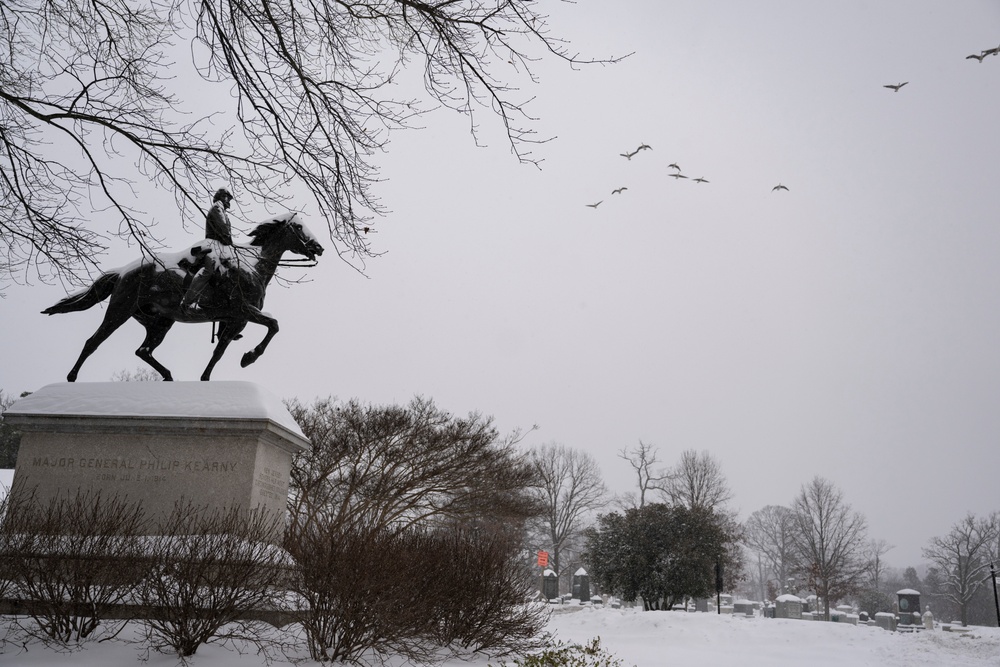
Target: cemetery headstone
550	585
788	606
581	585
909	606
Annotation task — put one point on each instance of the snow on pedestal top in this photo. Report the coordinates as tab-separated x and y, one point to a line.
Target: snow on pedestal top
213	400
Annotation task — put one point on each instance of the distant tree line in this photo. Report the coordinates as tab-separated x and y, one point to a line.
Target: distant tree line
820	546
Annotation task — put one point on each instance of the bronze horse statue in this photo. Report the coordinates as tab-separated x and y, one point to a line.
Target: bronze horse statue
151	289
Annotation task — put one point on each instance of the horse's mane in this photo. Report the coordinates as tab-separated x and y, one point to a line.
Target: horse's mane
264	230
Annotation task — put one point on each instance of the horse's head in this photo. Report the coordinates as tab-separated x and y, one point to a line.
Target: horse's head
289	234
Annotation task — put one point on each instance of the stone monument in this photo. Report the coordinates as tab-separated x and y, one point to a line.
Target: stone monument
213	445
908	601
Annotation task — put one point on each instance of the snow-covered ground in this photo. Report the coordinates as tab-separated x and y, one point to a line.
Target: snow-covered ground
651	639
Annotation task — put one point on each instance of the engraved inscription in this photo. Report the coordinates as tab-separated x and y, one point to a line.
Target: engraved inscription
270	484
145	470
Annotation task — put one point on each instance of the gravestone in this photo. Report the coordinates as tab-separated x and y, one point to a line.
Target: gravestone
886	620
788	606
550	585
213	445
581	585
908	601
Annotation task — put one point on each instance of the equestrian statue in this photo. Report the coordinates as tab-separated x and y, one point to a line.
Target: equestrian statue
211	281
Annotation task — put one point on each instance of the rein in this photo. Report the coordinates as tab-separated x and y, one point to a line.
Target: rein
304	262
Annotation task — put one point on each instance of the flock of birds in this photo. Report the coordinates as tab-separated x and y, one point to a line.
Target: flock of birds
894	87
676	174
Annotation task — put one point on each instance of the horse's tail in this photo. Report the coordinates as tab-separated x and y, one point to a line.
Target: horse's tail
84	299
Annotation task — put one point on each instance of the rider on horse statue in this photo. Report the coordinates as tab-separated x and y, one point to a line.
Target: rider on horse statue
219	231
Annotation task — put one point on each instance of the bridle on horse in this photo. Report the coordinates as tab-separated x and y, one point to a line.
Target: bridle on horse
304	262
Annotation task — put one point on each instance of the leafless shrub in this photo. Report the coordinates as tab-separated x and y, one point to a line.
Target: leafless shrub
413	465
399	524
6	551
369	594
482	591
72	558
210	571
360	592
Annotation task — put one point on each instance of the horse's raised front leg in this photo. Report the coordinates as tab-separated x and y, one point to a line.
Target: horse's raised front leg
228	332
155	331
272	328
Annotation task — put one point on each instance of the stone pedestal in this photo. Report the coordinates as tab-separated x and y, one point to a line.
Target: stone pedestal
214	445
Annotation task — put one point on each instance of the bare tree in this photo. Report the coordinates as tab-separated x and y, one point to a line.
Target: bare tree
770	533
570	489
698	481
643	461
874	596
830	540
400	466
963	558
875	563
99	97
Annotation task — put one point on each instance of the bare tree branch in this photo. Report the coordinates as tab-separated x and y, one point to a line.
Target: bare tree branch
698	481
93	110
643	459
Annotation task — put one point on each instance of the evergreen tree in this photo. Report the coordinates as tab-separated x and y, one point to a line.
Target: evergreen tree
661	553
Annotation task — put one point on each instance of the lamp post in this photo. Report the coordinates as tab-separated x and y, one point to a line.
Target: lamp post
996	600
718	586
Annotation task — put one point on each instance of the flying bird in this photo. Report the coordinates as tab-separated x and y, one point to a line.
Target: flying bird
674	165
618	191
642	147
700	180
678	175
895	87
977	57
594	205
779	186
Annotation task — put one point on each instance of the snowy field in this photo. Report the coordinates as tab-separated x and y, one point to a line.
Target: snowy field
647	639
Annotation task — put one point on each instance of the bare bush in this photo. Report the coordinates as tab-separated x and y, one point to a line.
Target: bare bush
7	553
360	594
483	590
210	570
400	525
413	465
72	558
373	593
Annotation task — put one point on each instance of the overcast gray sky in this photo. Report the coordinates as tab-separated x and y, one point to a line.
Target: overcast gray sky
846	327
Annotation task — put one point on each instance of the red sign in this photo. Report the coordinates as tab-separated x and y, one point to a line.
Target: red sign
543	558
